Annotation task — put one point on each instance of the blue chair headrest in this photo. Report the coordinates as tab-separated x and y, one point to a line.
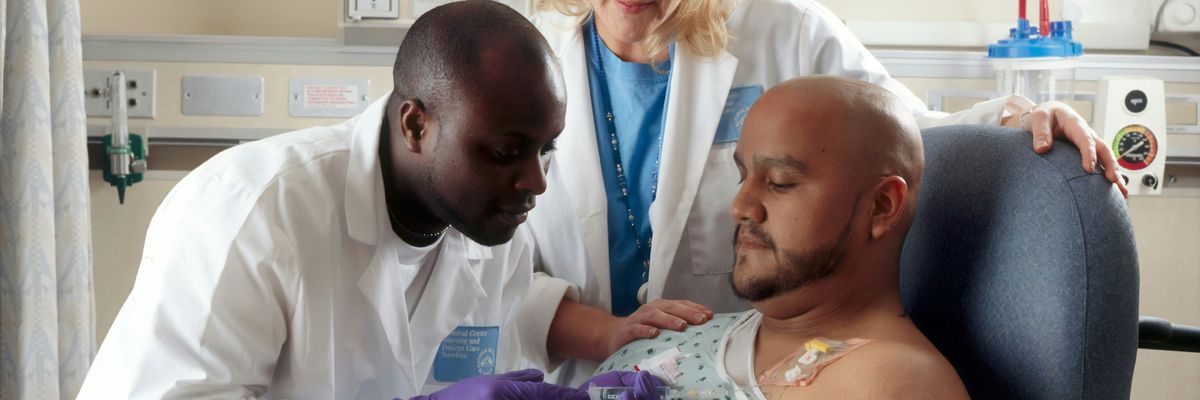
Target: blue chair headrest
1021	268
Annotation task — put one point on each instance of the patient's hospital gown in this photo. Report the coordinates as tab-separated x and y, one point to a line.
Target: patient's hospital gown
701	346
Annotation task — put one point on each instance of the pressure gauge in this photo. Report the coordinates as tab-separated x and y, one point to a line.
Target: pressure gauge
1131	113
1135	147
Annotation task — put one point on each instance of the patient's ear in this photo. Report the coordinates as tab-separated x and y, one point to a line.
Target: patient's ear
888	205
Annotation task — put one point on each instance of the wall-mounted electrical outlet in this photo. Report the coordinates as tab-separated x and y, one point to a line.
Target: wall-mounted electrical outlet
139	93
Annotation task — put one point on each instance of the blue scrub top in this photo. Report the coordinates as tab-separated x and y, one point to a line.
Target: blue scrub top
639	101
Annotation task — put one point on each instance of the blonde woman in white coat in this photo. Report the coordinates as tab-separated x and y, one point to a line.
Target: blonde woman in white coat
643	178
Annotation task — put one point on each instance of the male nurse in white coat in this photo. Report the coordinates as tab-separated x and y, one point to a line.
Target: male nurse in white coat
373	259
636	209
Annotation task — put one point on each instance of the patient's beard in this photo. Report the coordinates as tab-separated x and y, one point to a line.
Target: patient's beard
793	270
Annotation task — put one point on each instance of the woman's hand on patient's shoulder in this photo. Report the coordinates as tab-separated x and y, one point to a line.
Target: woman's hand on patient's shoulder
645	323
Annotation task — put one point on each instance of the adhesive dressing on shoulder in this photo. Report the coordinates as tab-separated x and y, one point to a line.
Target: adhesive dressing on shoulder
802	366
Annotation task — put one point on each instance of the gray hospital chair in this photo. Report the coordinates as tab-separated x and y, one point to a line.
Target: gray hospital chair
1021	269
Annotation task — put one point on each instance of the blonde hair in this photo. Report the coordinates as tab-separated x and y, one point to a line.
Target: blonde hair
699	25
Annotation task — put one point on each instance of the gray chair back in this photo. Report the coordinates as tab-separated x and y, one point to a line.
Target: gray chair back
1021	268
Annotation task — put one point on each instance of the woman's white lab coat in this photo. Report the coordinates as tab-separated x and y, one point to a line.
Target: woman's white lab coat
271	271
691	257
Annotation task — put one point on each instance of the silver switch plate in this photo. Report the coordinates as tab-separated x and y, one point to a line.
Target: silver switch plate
222	95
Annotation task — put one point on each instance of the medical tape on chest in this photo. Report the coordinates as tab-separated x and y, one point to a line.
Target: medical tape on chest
802	366
664	366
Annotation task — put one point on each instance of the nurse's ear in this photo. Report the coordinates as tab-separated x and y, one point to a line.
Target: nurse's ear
412	124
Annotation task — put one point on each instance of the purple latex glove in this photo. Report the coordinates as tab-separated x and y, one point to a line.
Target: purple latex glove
645	386
517	385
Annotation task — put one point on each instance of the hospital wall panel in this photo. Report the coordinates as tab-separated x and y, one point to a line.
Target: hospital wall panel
295	18
275	116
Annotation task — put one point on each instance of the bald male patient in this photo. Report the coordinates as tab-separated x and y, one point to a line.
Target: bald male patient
830	173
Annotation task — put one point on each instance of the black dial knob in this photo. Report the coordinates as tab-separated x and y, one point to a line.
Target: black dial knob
1150	180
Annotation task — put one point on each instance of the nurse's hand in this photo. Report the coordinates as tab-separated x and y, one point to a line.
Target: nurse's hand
658	314
1051	120
516	385
580	331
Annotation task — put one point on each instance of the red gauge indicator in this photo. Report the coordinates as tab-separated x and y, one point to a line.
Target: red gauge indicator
1135	147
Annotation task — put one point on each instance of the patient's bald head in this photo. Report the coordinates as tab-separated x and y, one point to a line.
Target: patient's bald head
831	170
855	125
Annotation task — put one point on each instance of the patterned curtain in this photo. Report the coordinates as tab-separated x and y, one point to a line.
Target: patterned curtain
47	328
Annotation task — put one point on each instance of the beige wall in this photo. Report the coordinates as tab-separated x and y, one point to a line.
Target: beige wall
1168	233
295	18
118	233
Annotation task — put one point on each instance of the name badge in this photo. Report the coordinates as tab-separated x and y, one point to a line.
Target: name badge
736	105
466	352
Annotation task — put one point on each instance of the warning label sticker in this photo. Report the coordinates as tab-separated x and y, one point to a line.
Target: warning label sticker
330	97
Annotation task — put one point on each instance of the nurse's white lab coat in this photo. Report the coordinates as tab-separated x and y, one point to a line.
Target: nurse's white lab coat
691	257
271	271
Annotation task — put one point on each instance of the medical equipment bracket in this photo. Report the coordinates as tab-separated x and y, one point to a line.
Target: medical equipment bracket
135	151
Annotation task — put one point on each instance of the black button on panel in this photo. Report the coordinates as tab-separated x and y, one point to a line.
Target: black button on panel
1135	101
